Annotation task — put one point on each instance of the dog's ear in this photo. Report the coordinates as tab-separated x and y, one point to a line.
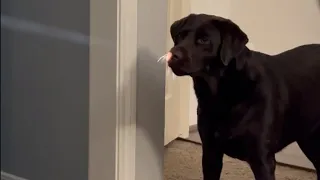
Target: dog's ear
233	39
174	28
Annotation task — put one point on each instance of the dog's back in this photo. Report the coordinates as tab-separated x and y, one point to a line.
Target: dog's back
297	75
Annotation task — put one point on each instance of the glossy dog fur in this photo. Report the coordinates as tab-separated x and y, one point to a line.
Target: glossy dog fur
250	105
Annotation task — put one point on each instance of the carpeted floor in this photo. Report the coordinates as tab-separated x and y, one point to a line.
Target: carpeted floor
183	162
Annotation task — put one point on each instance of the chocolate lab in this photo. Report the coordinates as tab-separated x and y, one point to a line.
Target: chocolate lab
250	104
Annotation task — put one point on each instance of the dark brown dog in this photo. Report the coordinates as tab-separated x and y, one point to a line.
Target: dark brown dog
250	105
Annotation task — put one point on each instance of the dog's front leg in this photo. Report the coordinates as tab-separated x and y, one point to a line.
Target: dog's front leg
263	167
211	162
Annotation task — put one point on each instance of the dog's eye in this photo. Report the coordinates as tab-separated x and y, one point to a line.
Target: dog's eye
203	40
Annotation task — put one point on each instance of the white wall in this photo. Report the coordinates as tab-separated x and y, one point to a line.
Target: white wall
272	26
150	91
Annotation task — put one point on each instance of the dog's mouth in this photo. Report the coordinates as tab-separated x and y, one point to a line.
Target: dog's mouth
178	71
185	70
180	67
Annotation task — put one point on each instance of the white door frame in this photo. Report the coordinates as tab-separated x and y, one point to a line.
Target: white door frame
112	135
184	84
126	142
177	104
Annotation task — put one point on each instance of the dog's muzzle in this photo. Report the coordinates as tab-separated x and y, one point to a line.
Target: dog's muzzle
177	63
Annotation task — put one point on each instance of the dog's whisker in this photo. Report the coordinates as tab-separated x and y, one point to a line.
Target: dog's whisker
168	70
162	58
173	75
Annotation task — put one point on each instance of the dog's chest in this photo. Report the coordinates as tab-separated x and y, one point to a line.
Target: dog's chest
221	123
236	144
238	147
235	140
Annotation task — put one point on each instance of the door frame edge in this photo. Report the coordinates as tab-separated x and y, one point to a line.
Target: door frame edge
112	134
126	89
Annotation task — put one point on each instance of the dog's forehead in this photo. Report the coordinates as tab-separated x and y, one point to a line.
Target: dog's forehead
196	20
191	22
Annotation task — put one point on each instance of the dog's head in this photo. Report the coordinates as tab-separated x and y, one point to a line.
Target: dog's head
204	42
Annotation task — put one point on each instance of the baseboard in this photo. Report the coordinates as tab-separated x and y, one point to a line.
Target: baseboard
193	128
8	176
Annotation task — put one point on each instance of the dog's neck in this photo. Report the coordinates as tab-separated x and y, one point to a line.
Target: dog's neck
233	85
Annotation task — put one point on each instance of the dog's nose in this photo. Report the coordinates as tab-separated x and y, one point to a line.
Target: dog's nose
177	55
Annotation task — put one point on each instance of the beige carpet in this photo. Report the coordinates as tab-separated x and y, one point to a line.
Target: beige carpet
183	162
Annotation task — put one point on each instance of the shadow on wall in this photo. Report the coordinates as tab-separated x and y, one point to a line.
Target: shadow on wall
318	4
150	106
